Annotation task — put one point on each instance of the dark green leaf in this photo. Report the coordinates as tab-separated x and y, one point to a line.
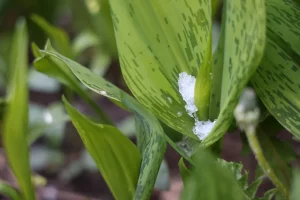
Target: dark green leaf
116	156
15	127
210	181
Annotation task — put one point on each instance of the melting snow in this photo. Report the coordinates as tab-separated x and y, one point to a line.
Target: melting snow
186	85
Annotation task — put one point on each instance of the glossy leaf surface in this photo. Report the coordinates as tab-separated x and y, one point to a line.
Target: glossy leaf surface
15	126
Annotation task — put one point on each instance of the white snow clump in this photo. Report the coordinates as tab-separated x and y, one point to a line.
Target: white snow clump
186	85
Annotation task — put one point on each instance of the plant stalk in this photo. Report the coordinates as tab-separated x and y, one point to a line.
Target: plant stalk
257	150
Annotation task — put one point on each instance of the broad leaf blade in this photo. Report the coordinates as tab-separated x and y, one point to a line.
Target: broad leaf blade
156	41
116	156
151	140
277	79
16	116
243	50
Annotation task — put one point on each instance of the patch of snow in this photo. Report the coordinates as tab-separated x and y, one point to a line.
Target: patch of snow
186	85
203	128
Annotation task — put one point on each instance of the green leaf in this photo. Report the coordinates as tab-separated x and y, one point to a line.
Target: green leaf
243	49
58	37
151	139
277	79
242	178
55	68
116	156
9	191
217	71
95	16
210	181
295	192
184	171
15	126
156	41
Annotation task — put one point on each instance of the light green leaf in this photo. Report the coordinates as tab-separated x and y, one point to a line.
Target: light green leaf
243	49
277	79
15	126
156	41
117	158
57	36
55	68
210	181
9	191
151	139
295	192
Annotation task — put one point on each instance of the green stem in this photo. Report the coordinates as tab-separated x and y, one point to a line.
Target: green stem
203	84
257	150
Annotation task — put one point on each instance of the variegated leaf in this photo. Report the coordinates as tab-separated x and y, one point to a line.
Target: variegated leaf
156	41
243	49
277	80
151	140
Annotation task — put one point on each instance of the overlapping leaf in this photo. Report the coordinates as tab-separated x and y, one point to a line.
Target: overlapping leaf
150	134
277	80
53	67
116	156
156	41
243	48
15	127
